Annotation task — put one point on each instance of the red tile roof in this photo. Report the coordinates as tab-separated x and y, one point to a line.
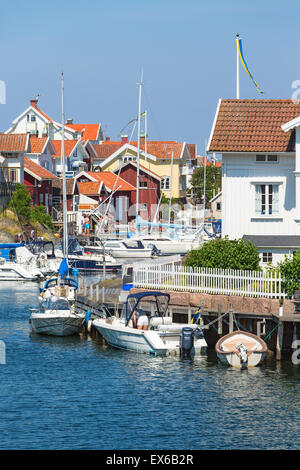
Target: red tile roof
13	142
89	188
109	179
37	170
37	144
159	149
69	147
254	126
89	131
106	149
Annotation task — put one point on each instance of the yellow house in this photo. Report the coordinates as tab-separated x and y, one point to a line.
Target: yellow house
173	161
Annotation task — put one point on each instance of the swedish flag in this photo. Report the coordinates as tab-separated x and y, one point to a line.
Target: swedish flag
241	55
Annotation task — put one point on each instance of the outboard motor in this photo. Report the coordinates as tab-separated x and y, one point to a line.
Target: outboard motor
187	340
198	333
243	356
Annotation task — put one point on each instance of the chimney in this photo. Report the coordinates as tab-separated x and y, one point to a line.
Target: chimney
69	121
33	102
107	139
124	139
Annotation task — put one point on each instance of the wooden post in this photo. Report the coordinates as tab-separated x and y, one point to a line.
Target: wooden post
189	315
230	319
97	292
220	331
279	341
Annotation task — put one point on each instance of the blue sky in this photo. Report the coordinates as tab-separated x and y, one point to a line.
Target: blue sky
186	49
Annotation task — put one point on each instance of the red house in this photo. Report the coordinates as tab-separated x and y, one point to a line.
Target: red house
149	189
39	182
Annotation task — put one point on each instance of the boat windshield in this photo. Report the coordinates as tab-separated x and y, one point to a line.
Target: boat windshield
151	303
58	304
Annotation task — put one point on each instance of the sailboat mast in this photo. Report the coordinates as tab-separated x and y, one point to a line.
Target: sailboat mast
138	154
63	161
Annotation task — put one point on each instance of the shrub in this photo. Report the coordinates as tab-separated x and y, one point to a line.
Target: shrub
20	202
290	272
38	214
225	254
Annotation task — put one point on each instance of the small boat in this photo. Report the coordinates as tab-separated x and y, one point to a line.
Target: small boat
145	327
17	263
86	261
241	349
128	249
56	317
60	287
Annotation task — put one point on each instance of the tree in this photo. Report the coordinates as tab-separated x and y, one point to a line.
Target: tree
38	214
290	272
225	254
20	202
213	182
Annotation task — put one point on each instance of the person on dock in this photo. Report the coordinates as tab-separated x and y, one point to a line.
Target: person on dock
87	226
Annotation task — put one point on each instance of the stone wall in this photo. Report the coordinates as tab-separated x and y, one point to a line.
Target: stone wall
239	304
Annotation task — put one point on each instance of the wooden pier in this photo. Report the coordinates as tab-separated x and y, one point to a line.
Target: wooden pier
274	323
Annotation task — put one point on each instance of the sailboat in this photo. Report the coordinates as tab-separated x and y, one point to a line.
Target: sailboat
56	315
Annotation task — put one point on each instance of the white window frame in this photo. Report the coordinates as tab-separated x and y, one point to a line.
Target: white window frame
165	182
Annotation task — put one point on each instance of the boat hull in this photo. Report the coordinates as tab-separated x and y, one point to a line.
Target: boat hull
152	342
56	325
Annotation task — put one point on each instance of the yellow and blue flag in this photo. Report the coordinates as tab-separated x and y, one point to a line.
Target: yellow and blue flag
240	52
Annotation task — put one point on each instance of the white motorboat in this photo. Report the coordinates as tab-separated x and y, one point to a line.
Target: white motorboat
18	264
123	249
165	245
162	337
56	317
241	349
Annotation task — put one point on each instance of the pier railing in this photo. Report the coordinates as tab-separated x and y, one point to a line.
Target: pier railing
208	280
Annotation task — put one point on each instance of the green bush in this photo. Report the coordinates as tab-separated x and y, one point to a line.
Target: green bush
290	272
225	254
38	214
20	202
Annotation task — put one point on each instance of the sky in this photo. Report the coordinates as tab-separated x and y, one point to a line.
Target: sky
184	48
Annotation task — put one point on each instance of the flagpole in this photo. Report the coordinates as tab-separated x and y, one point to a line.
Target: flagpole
237	68
138	154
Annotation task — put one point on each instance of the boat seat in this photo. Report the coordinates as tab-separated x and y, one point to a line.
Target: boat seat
156	321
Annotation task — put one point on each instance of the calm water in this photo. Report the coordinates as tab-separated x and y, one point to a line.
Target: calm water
76	394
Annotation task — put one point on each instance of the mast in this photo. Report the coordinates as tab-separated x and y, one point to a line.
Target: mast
237	67
63	160
138	153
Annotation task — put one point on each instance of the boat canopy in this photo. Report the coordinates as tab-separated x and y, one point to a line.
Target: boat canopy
66	281
133	301
40	246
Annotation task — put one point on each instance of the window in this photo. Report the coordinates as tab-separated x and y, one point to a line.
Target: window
12	175
267	257
143	184
266	158
143	207
165	184
218	206
33	118
41	198
266	199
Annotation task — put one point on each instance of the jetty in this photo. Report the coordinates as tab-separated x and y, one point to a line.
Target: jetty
266	312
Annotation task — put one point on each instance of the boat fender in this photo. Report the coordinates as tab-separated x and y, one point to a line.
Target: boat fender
187	340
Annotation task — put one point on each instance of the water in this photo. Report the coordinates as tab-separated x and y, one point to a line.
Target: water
68	393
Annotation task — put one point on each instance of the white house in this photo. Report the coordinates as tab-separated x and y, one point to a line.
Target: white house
35	121
75	154
260	145
12	151
40	151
